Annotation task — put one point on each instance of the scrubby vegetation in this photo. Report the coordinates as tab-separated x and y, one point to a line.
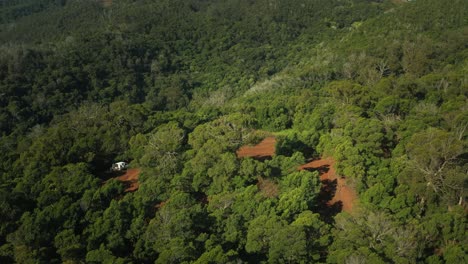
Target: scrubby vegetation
177	86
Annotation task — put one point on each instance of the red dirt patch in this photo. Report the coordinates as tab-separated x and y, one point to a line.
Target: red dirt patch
264	149
161	204
335	195
335	192
130	179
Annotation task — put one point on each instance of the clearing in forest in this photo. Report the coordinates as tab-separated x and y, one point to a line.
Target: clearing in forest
130	179
264	149
335	195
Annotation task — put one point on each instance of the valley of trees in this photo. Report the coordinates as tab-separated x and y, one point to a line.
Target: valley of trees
177	86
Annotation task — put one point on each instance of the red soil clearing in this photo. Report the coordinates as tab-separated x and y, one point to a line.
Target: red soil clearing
335	191
335	195
130	179
264	149
161	204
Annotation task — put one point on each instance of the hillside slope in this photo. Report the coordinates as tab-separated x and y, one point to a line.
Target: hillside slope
177	87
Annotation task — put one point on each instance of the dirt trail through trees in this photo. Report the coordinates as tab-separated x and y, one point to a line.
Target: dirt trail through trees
335	193
130	179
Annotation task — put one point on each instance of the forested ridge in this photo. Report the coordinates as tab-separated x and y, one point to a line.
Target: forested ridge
176	87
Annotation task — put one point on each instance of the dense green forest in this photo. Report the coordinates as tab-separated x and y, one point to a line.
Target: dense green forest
175	87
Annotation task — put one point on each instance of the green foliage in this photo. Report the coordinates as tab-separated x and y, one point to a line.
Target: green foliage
434	157
215	255
15	9
261	232
298	193
68	245
373	236
176	87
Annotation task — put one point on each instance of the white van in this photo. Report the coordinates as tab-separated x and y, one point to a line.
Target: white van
119	166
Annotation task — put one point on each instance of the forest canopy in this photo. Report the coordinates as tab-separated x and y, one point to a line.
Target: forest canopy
175	87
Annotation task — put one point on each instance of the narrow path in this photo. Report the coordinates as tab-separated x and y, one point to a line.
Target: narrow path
335	193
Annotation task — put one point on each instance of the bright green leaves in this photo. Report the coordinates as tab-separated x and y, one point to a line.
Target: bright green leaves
417	52
359	148
103	255
213	163
281	165
392	105
298	192
172	231
261	232
163	147
445	229
215	255
376	195
456	253
137	145
160	155
69	245
227	135
348	92
250	169
298	242
289	244
37	229
222	173
366	92
373	236
72	179
317	233
210	166
110	228
445	233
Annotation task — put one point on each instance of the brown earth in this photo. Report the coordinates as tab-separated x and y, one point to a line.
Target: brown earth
161	204
267	187
335	193
130	179
106	3
264	149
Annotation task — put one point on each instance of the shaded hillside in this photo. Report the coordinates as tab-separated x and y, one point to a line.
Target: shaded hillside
177	87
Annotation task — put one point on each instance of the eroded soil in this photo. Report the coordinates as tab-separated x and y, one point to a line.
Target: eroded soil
336	193
130	179
264	149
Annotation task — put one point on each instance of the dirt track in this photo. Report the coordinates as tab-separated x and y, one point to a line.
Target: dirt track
335	196
335	191
130	179
264	149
